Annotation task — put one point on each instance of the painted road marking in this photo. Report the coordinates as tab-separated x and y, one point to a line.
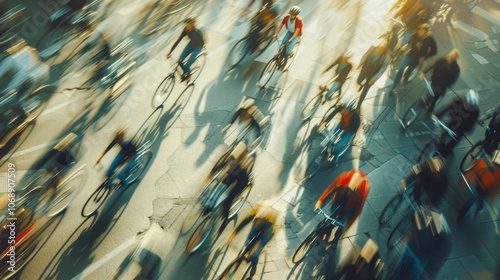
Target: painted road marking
475	33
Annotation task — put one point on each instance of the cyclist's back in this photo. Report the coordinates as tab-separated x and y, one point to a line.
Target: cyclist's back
486	174
430	176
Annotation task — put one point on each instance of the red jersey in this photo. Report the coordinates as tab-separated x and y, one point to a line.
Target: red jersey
297	24
486	175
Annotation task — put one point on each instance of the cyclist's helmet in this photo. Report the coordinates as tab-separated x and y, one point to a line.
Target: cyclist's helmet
190	19
472	98
295	10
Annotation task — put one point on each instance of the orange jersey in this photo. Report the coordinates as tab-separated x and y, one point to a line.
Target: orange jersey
486	175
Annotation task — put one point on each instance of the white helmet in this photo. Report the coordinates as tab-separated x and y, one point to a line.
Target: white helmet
295	10
472	98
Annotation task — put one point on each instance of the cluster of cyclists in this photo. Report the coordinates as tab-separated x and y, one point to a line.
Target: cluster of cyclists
406	47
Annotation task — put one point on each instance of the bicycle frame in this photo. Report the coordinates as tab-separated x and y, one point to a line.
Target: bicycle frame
329	219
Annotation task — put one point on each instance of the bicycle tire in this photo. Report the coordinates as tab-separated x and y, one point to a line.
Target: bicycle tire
305	246
412	114
141	163
66	192
231	269
239	202
200	235
470	157
398	233
268	72
98	197
240	48
390	210
163	91
155	18
310	108
194	214
197	66
315	166
466	211
292	57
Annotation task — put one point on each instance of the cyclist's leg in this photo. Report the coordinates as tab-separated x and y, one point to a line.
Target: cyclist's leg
335	87
185	53
342	145
194	54
264	238
397	79
411	66
128	167
291	45
117	161
287	37
438	92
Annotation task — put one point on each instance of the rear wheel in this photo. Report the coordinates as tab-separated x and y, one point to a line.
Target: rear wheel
398	233
305	246
267	72
231	269
140	165
197	66
163	91
471	157
429	150
66	192
238	53
470	3
390	209
201	234
96	200
239	201
310	107
268	39
315	165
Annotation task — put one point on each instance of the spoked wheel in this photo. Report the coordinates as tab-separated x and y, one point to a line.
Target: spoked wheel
140	165
305	247
66	192
96	200
466	211
471	157
310	107
412	113
53	40
197	66
201	234
390	210
267	73
163	91
231	269
238	53
398	233
239	202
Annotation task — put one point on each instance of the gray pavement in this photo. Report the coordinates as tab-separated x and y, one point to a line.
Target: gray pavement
149	215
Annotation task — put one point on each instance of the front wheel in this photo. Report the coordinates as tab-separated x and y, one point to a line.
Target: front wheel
96	200
471	157
139	166
238	53
390	210
412	113
231	269
315	165
200	235
267	73
197	66
305	247
310	108
429	150
163	91
398	233
66	192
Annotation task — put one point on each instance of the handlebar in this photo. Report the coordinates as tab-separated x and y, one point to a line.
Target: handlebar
330	219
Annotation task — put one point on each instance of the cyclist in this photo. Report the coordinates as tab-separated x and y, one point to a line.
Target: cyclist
22	69
193	48
445	72
263	220
343	69
102	57
351	191
235	169
125	158
261	22
460	116
430	176
366	266
420	47
493	134
249	115
428	235
294	25
349	124
485	174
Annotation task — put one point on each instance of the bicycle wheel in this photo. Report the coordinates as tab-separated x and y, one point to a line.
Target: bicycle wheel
390	209
267	73
268	39
66	192
466	211
398	233
200	235
471	157
412	113
238	53
140	165
310	107
197	66
231	269
305	246
163	91
96	200
238	203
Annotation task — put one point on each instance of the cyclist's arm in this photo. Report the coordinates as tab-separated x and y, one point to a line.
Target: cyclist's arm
336	62
184	33
330	188
113	143
283	22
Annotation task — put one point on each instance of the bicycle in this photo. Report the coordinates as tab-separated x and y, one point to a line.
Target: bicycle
242	48
64	30
475	152
112	183
324	227
156	18
321	97
415	110
280	61
327	139
167	85
395	204
437	145
246	135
